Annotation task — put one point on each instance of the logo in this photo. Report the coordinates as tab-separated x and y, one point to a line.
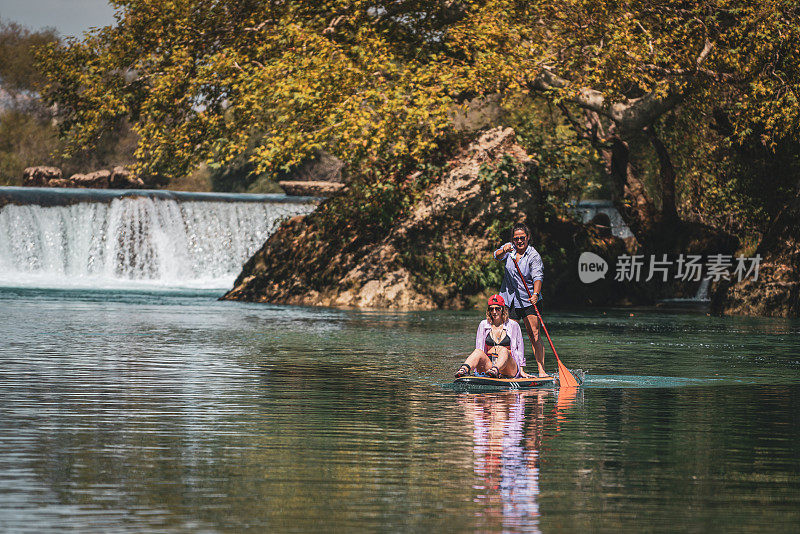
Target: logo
684	267
591	267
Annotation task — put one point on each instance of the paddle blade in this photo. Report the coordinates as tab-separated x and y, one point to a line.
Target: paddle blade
565	377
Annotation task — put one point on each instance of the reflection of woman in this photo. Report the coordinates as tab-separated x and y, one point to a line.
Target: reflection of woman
505	462
499	351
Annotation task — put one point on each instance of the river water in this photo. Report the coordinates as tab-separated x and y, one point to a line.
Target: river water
168	411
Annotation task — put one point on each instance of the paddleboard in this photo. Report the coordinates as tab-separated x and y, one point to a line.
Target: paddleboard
505	383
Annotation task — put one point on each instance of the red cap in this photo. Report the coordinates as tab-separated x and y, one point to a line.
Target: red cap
496	300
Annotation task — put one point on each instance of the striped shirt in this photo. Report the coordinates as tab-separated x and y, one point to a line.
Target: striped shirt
513	290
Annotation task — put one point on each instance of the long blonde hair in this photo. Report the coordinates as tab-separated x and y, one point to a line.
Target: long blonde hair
504	315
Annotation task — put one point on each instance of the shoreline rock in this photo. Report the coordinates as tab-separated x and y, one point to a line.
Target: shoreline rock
311	189
371	272
117	178
776	291
40	176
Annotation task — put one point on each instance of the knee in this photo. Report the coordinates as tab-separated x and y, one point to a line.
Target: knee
476	355
502	353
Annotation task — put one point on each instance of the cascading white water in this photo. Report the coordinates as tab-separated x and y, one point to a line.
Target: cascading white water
135	241
702	291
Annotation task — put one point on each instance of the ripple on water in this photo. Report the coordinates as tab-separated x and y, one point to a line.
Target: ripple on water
143	412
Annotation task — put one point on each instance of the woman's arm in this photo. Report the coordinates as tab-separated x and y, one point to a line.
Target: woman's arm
501	252
536	268
537	291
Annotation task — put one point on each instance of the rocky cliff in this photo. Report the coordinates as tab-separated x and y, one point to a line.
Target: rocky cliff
776	290
435	254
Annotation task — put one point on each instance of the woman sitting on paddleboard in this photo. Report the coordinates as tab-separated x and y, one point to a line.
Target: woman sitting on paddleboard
513	289
499	351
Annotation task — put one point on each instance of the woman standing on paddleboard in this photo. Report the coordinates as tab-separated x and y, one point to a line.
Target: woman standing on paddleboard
513	289
499	350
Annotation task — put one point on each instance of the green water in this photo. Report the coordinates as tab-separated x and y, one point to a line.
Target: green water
171	412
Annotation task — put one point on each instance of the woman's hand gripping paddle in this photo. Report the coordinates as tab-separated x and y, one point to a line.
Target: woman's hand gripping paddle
565	377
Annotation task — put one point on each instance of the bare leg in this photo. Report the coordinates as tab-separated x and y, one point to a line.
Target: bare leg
478	361
532	326
505	363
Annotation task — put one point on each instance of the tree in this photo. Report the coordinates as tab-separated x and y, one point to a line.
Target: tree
27	136
617	69
200	79
374	82
18	72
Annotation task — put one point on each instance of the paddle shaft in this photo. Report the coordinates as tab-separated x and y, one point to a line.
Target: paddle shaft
565	377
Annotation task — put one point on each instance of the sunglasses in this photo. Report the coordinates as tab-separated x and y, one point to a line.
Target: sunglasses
495	308
518	238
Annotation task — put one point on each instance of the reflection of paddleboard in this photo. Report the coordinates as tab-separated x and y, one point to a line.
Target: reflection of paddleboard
506	383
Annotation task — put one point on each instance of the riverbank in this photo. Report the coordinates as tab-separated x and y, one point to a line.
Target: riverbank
429	252
776	290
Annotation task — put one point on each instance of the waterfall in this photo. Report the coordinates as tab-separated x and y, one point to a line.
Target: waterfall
136	241
702	291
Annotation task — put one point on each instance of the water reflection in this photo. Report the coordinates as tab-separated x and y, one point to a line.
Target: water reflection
508	431
162	413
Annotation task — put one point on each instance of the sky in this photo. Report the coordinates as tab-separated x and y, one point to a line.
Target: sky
69	17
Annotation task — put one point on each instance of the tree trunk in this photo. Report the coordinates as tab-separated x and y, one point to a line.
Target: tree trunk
669	210
656	231
627	192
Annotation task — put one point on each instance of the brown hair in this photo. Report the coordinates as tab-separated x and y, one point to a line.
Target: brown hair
489	315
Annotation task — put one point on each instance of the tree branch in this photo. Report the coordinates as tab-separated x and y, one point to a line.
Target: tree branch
629	117
709	45
634	114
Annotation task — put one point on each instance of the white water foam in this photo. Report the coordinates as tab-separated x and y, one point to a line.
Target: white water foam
134	242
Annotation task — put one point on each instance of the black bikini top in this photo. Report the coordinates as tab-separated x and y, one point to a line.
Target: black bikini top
490	342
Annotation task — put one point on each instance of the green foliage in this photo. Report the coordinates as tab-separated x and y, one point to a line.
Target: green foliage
739	186
452	266
18	72
29	139
737	52
238	176
377	199
204	81
115	146
501	178
25	141
364	214
260	86
568	168
27	136
734	58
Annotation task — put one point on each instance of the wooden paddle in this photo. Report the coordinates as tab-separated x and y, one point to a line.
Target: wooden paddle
565	377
